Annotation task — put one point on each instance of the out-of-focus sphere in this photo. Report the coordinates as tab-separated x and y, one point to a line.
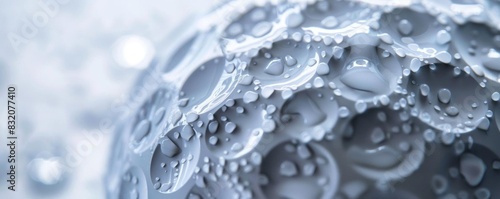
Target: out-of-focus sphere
318	99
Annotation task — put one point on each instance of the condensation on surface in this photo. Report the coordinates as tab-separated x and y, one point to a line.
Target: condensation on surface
326	99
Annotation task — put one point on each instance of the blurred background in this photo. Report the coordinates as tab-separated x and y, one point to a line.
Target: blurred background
72	61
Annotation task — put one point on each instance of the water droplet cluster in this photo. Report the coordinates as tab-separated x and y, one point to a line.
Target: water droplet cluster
319	99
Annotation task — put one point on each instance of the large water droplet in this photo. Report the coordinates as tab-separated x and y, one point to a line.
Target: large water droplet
303	151
330	22
275	68
250	97
415	64
290	61
444	57
405	27
443	37
261	29
187	133
492	60
230	127
288	168
294	20
142	129
444	95
169	148
472	168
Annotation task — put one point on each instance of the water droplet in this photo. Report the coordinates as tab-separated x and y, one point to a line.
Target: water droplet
470	140
384	100
459	147
246	80
309	169
213	140
429	135
236	147
404	146
386	38
250	96
330	22
439	184
311	62
261	29
495	96
377	135
275	68
213	126
482	193
268	125
386	54
233	166
447	138
406	72
288	169
258	14
142	130
297	36
452	111
483	124
230	127
134	194
322	6
201	182
160	113
169	148
157	185
424	90
496	165
290	61
229	68
194	196
381	116
303	151
337	52
235	29
472	168
240	109
444	95
322	69
457	71
256	158
318	82
405	27
287	93
415	64
492	60
444	57
187	133
270	109
191	117
363	69
354	189
360	106
343	112
293	20
443	37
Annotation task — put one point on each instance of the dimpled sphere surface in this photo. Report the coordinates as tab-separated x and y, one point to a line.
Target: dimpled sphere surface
319	99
